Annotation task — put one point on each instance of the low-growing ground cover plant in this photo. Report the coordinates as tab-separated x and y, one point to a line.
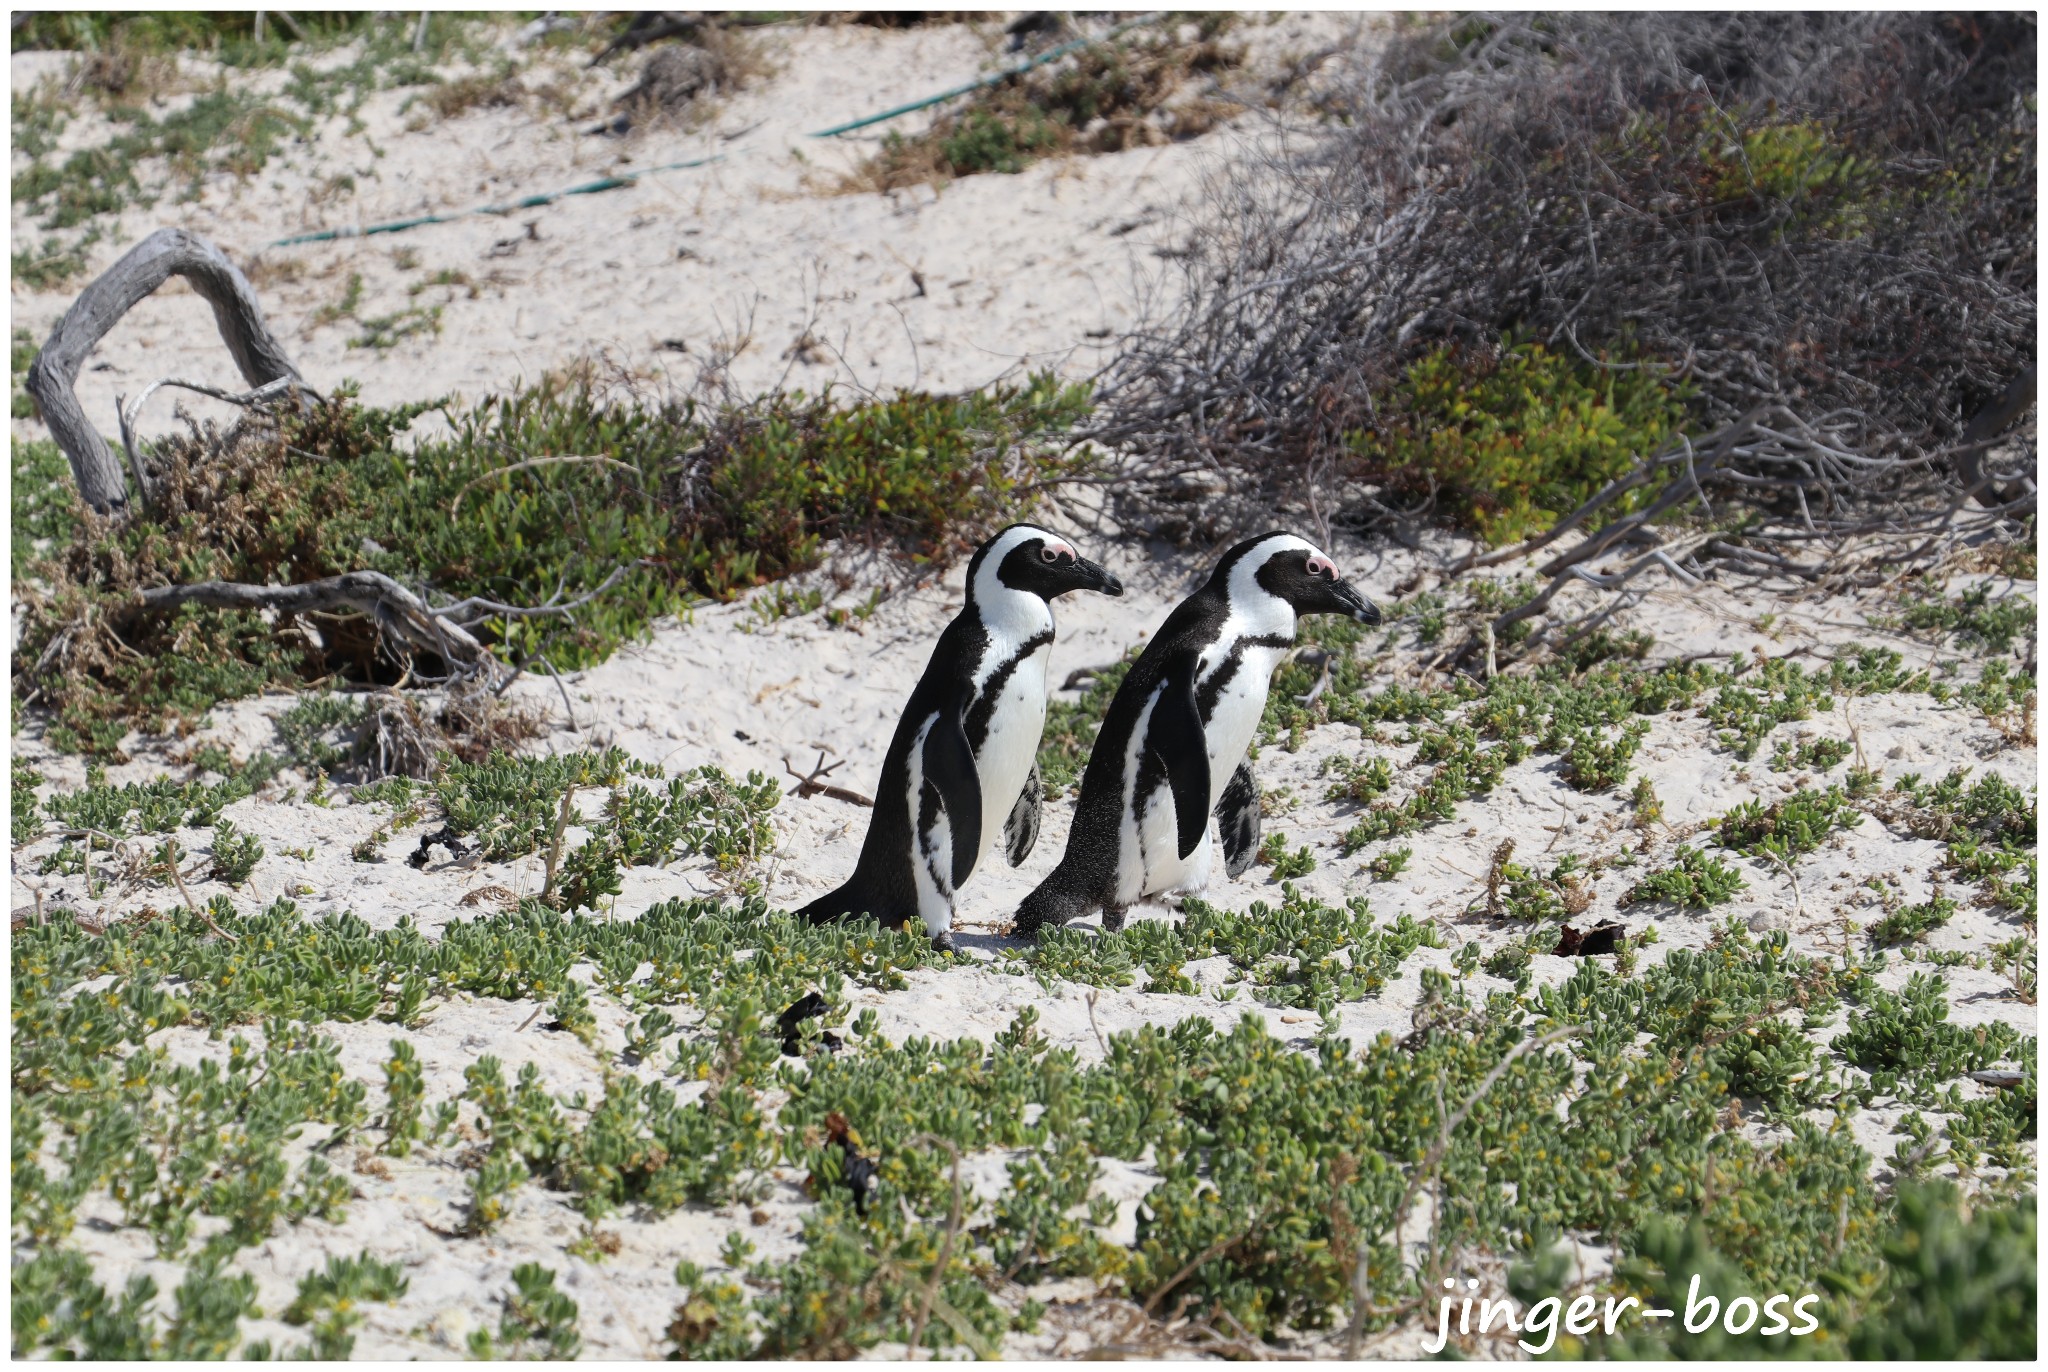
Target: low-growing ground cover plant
1279	1170
662	502
1695	879
1304	953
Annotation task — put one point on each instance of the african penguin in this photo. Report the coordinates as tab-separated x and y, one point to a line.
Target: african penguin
963	763
1171	750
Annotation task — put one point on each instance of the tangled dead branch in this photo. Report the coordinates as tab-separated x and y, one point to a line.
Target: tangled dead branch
228	520
1814	231
282	388
396	610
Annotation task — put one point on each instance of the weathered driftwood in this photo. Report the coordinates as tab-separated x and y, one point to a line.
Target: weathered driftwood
397	610
53	377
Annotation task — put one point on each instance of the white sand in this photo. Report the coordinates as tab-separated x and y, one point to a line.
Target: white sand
1018	270
1039	269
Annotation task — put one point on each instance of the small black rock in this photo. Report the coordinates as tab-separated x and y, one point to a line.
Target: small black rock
1604	937
444	837
810	1007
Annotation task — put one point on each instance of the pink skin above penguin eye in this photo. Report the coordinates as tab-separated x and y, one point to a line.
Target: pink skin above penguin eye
1054	552
1318	565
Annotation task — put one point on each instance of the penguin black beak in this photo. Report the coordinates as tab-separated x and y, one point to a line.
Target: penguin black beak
1350	602
1093	576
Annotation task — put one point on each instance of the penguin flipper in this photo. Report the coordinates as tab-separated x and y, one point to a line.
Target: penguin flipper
1020	830
1237	819
949	766
1175	736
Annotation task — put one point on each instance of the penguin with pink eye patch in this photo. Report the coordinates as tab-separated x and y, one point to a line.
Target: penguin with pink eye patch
963	763
1171	750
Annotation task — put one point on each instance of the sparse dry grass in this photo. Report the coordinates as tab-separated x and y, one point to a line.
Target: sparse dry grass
123	73
501	89
680	83
1145	88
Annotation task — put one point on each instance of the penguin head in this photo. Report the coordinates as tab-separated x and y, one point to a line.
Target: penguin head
1290	568
1036	561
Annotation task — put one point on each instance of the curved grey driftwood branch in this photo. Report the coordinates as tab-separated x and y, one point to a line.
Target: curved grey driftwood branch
396	609
53	377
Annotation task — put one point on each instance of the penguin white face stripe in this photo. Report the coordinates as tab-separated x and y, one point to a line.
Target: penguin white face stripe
988	582
1255	612
1011	616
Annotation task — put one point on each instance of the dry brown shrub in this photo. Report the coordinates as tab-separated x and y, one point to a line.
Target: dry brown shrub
1832	215
902	19
480	91
402	736
122	74
679	80
1134	91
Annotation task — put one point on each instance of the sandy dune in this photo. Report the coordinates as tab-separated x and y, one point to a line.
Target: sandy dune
944	290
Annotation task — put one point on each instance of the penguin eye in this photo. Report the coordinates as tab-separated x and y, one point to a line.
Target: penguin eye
1321	566
1049	553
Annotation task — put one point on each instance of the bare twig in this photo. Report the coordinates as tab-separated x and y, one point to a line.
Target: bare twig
204	915
455	506
554	862
477	608
129	414
395	609
816	785
931	1289
1798	901
1195	1264
1427	1169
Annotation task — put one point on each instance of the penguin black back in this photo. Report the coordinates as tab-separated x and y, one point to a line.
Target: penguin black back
884	882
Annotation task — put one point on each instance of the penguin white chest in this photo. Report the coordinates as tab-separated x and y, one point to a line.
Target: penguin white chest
1240	704
1005	756
1150	861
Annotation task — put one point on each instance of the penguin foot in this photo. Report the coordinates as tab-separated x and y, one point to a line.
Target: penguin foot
943	943
1049	905
1113	919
